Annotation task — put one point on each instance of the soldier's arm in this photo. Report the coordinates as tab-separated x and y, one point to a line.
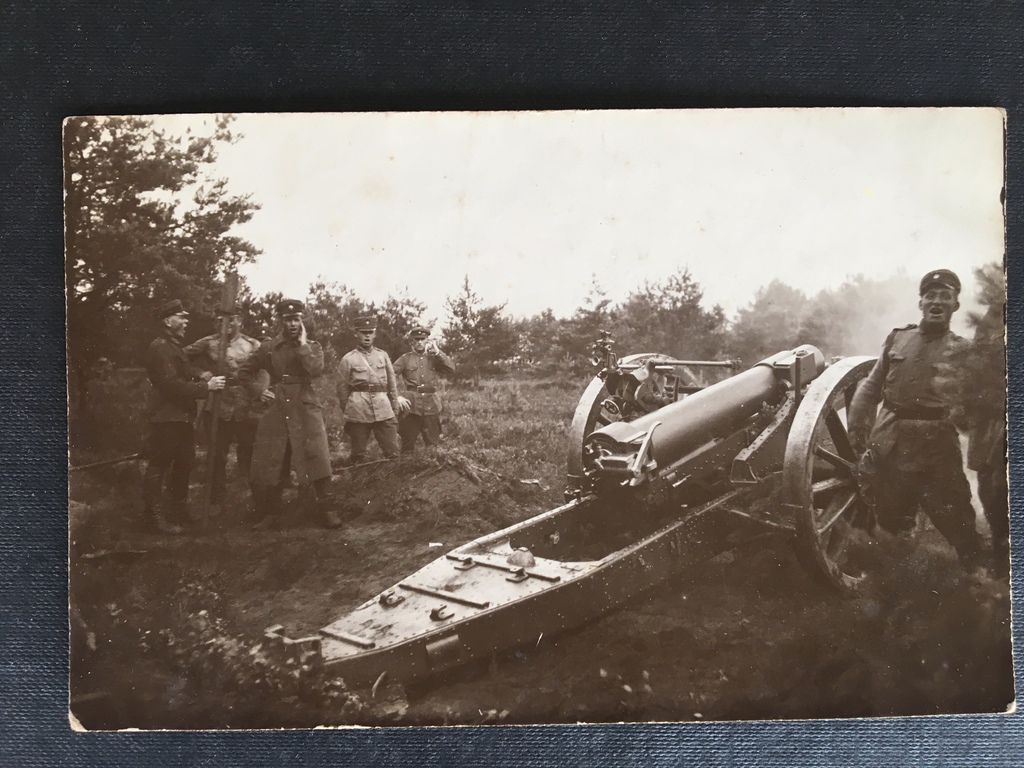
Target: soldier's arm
865	400
255	371
441	362
344	371
199	354
400	368
198	348
165	377
312	356
392	381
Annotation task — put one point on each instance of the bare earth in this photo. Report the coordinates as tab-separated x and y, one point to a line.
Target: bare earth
166	631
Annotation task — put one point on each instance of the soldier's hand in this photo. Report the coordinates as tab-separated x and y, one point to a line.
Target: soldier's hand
403	405
267	396
215	383
302	333
432	348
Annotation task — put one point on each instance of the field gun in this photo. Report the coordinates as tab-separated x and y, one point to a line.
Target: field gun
650	492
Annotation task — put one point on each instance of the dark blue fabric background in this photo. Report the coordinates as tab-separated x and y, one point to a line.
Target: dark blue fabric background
98	58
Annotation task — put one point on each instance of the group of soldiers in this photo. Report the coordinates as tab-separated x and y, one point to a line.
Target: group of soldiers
259	396
900	422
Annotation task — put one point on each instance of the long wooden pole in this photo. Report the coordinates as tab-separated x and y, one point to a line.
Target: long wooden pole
228	297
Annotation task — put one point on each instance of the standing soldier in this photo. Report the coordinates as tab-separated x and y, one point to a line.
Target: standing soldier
237	419
171	446
368	395
418	373
291	433
913	450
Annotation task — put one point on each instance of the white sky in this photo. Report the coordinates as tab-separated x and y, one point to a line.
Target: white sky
530	204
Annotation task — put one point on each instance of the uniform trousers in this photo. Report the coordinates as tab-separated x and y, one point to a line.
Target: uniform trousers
386	432
412	425
241	433
171	452
941	491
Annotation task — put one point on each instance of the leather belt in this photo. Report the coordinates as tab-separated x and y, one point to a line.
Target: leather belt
294	380
364	387
916	413
423	389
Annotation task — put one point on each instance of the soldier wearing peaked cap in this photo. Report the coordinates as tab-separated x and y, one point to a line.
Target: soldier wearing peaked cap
368	395
237	417
913	449
170	446
291	433
418	372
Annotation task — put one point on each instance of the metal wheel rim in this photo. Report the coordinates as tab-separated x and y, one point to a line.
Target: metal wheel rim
818	440
585	419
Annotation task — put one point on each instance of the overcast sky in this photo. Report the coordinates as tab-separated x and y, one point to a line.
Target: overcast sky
530	204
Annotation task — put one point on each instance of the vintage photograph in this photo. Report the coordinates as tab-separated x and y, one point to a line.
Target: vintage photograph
462	418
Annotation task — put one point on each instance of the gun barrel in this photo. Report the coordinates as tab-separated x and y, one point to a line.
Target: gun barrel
711	413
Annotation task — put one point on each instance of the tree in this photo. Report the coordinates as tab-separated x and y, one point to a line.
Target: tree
331	312
974	377
669	317
477	336
769	324
142	224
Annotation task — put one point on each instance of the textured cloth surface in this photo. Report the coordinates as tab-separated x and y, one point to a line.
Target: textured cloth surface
92	58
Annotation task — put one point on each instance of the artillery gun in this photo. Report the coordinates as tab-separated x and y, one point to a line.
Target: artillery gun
650	492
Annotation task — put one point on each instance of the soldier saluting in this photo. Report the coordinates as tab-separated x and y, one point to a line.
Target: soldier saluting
913	450
418	372
368	395
291	433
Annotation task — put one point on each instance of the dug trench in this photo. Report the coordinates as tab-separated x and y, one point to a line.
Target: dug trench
166	631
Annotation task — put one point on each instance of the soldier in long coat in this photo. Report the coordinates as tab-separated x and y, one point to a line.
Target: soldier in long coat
418	372
291	433
913	448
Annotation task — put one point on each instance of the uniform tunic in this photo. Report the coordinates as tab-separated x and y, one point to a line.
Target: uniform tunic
366	386
912	420
236	397
293	425
419	375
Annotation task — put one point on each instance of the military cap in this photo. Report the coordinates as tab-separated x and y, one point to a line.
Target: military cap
289	307
169	308
419	332
944	277
368	323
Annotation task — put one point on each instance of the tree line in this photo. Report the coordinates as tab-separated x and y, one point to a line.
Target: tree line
145	223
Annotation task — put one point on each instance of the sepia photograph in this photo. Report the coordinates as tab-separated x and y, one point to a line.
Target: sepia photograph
503	418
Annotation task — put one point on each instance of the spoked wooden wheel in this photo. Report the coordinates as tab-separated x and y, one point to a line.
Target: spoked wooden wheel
596	408
818	476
